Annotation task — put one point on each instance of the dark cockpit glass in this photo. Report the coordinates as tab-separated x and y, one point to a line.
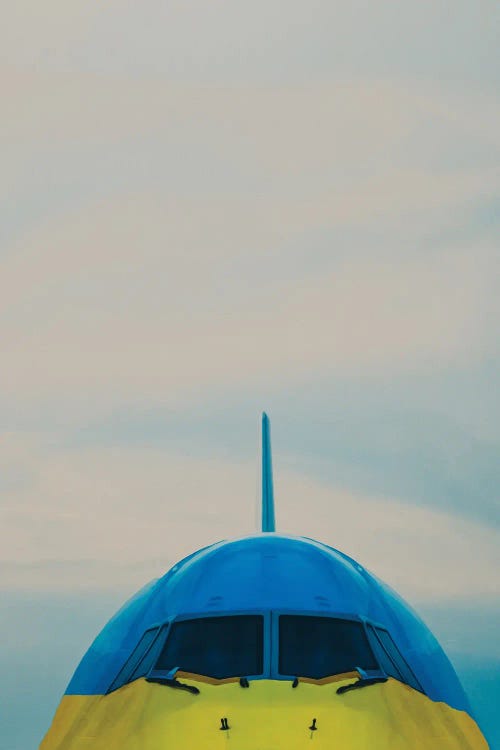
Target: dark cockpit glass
317	647
137	663
219	647
390	658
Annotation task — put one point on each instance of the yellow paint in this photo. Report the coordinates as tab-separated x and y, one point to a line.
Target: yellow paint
269	715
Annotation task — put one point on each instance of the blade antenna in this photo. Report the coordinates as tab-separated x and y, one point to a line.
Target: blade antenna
268	520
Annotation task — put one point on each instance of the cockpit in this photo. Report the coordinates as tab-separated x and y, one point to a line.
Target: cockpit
270	645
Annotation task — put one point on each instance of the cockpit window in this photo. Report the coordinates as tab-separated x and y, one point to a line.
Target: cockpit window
390	658
317	647
219	647
137	664
149	657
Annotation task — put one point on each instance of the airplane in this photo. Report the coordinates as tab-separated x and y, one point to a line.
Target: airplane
265	642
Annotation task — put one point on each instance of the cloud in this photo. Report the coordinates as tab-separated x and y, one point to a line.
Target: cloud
134	299
231	41
158	236
120	516
301	139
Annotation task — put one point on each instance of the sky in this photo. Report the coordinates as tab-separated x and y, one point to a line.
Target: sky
213	209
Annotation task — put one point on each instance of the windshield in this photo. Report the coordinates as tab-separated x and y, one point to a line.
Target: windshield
390	658
140	661
219	647
317	647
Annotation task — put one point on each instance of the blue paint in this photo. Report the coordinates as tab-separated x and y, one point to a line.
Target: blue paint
268	520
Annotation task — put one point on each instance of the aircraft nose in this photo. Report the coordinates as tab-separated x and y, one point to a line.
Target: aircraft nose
268	715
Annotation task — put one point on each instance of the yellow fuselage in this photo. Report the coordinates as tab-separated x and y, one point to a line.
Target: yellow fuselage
268	715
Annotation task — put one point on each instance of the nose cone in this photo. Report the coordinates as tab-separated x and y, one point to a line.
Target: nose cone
272	575
269	572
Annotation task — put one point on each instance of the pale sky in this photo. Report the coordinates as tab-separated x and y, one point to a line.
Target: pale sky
210	210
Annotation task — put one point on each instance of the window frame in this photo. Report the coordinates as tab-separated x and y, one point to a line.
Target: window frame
266	644
375	626
135	658
275	642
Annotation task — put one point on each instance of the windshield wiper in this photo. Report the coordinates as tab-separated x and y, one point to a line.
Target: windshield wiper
364	681
361	683
169	680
